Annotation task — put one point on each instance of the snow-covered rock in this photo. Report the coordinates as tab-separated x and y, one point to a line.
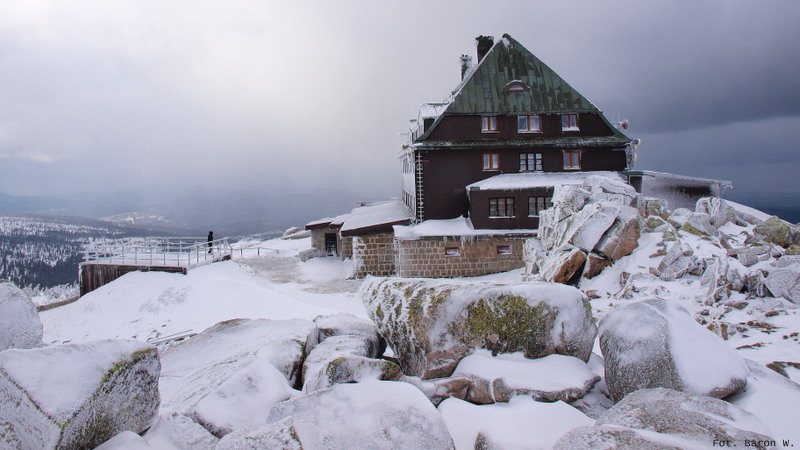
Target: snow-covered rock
127	440
20	326
370	414
548	379
678	261
656	343
193	369
664	418
244	399
345	359
77	396
520	423
783	279
174	430
722	276
432	324
699	224
718	210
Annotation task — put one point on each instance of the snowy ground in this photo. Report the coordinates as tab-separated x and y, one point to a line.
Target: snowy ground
276	285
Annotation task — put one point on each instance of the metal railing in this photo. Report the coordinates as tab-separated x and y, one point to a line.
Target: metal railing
157	251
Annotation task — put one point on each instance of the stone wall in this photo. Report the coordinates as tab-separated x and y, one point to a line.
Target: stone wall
344	245
373	254
445	257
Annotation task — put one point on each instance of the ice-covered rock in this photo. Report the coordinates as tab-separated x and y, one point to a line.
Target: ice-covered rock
699	224
194	368
656	343
561	264
608	189
668	419
656	207
622	237
244	399
77	396
718	210
521	423
345	359
370	414
432	324
722	276
345	324
678	261
127	440
783	279
548	379
20	326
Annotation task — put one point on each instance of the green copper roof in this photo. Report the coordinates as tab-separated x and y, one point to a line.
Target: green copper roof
485	89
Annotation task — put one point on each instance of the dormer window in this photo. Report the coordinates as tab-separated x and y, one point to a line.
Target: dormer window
516	86
489	124
569	122
528	124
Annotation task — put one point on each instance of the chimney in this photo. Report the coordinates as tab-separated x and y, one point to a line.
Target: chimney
466	63
484	45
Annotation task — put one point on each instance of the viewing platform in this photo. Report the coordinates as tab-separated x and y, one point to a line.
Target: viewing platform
105	261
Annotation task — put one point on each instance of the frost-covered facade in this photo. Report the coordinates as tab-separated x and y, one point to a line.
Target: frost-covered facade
510	114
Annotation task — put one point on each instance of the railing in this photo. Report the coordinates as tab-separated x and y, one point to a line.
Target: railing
157	251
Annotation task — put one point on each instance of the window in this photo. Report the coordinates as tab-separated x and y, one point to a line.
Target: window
572	159
452	251
489	124
537	203
530	162
569	122
528	124
491	161
501	207
503	249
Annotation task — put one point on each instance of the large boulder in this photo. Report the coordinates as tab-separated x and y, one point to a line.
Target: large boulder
656	343
432	324
20	326
345	359
561	264
370	414
194	368
777	231
286	434
668	419
345	324
549	379
77	396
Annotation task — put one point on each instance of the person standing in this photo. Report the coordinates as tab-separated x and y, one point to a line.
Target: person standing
210	240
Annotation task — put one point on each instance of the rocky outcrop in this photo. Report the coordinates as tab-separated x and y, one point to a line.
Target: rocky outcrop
778	232
656	343
77	396
783	279
667	419
432	324
20	326
370	414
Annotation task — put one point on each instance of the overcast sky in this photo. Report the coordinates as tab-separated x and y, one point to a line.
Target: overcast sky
274	94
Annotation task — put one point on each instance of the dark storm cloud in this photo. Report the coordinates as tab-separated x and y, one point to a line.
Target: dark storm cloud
263	94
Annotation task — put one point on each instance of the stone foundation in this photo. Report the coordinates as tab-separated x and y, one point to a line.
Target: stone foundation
446	257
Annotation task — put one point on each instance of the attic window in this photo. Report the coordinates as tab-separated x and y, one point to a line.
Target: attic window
569	122
528	124
516	86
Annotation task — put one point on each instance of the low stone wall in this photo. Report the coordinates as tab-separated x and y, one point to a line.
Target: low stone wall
373	254
445	257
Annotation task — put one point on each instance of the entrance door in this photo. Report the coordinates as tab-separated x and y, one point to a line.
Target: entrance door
330	244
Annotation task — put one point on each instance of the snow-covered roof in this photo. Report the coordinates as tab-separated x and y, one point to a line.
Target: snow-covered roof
368	218
458	227
516	181
319	223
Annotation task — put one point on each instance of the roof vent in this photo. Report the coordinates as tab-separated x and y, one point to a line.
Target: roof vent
484	45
